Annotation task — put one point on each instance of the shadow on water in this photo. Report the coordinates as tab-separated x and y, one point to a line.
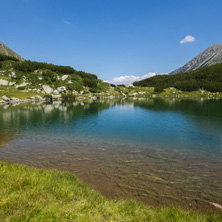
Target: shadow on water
158	151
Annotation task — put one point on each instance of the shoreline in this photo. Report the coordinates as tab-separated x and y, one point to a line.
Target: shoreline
70	199
80	98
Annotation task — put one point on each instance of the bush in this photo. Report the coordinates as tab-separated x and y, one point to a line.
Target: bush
21	88
5	58
68	96
48	97
91	83
49	76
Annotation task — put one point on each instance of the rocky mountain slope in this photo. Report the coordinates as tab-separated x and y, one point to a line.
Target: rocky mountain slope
4	50
210	56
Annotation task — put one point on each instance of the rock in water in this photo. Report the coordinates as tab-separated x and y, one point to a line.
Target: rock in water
5	98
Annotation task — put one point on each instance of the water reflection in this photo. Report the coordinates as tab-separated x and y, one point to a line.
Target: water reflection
159	151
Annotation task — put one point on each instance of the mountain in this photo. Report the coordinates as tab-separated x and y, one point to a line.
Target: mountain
4	50
210	56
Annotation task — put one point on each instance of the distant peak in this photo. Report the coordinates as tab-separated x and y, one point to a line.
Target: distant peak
210	56
5	50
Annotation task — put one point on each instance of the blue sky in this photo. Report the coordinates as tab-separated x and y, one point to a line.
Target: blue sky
111	38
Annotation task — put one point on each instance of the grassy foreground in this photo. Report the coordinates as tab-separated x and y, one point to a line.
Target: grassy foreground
29	194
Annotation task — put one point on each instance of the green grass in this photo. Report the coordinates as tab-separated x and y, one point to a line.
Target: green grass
11	91
29	194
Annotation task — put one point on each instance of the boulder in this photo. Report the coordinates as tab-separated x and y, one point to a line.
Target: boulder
61	89
56	96
40	78
3	82
70	82
56	92
22	85
5	98
64	77
12	83
47	89
15	99
12	75
74	92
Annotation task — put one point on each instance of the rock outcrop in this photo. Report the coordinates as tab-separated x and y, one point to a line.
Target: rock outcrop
7	51
210	56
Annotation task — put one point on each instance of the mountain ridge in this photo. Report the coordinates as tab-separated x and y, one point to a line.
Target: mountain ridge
210	56
5	50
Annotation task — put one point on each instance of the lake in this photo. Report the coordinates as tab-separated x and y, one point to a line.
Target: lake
157	151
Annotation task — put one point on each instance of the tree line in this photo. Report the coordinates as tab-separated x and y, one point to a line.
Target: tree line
207	78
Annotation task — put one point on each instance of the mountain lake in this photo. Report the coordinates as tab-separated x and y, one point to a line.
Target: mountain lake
160	152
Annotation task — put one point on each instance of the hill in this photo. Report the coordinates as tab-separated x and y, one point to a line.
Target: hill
210	56
206	78
4	50
25	79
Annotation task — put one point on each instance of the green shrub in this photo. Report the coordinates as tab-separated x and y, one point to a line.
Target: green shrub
5	58
68	96
21	88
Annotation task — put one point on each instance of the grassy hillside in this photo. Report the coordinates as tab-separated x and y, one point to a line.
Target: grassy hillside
29	194
29	76
206	78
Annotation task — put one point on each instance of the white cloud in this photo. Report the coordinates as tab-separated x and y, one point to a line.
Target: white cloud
188	38
68	23
131	79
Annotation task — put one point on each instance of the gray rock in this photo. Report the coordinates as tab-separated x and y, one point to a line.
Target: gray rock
12	75
75	92
56	96
12	83
47	89
64	77
3	82
61	89
56	92
22	84
15	99
5	98
130	85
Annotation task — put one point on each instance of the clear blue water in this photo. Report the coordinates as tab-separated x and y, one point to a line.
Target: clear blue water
59	135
